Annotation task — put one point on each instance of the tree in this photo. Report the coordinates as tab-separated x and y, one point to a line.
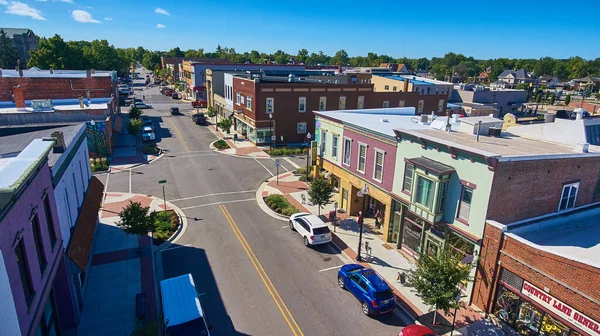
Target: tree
538	98
302	56
436	278
135	112
52	53
151	59
175	52
136	219
567	100
8	53
135	126
340	58
552	99
225	124
320	192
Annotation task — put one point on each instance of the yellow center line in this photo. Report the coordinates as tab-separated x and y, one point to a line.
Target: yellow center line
283	309
179	135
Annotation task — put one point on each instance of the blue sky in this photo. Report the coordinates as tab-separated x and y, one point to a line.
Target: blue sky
482	29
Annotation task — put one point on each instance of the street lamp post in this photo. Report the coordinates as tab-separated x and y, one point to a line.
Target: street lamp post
361	193
270	131
307	154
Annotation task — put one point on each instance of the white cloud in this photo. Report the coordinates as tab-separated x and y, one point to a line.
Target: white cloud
161	11
19	8
67	1
83	16
108	19
41	0
89	7
3	2
160	26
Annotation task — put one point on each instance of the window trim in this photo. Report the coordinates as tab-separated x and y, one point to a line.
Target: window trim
362	144
28	281
349	152
572	184
412	178
324	99
305	128
38	239
238	98
377	150
272	99
386	104
302	99
460	202
414	198
340	107
249	103
386	87
358	102
334	145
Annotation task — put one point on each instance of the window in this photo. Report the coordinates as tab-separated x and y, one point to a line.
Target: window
362	157
424	194
386	104
301	128
322	103
242	100
464	208
50	221
238	98
361	102
39	243
387	88
421	104
48	322
408	177
24	272
342	105
568	197
302	104
401	104
443	196
323	142
441	105
249	103
334	145
378	171
395	88
270	105
347	151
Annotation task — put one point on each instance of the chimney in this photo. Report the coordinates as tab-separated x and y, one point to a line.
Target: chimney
59	145
51	71
19	96
405	85
81	102
88	73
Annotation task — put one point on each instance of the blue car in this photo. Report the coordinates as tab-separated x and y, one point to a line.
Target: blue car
374	294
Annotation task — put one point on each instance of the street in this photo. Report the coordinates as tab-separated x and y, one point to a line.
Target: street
254	276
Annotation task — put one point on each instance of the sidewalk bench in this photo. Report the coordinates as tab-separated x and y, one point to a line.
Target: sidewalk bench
140	306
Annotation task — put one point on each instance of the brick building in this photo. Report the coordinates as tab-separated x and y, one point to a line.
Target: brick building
290	100
540	276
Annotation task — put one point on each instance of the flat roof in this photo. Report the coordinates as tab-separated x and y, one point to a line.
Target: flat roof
13	169
574	235
35	72
508	145
73	107
412	80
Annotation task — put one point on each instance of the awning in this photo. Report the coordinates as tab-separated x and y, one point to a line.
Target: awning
80	246
431	165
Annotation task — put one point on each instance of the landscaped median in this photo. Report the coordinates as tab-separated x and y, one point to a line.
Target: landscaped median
280	205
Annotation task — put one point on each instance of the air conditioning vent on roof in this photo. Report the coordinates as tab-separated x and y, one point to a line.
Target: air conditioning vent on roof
385	120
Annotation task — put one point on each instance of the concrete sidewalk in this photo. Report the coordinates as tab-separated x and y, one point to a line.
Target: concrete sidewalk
239	147
384	258
122	267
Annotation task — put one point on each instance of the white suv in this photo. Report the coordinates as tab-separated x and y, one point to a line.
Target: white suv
311	228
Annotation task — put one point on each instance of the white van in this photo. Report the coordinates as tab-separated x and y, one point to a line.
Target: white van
183	314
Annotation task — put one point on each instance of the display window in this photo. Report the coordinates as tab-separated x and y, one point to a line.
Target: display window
529	319
553	327
507	305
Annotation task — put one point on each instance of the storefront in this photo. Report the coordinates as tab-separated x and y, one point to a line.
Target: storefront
257	136
532	311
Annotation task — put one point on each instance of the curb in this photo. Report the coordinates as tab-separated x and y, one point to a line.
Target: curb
264	207
180	229
235	155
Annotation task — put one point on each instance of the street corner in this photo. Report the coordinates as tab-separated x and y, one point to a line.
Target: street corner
161	205
263	192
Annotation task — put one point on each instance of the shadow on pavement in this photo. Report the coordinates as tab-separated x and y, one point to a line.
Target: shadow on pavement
179	260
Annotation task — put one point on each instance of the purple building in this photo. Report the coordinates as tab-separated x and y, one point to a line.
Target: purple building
34	286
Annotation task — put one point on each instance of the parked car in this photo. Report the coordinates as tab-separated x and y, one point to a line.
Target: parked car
175	95
417	330
148	134
313	230
168	92
148	123
141	105
368	287
199	118
199	103
174	110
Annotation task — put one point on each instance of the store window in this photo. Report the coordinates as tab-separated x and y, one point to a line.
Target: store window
411	235
464	209
424	194
361	102
529	319
302	104
408	177
553	327
507	305
568	197
270	105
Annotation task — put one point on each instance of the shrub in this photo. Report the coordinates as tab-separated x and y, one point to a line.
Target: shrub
279	204
221	144
149	149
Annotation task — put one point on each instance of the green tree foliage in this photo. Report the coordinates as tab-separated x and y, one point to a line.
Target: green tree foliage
523	86
52	53
225	124
135	112
135	126
151	59
567	100
320	192
538	98
552	99
302	56
8	53
194	53
175	52
340	58
436	278
136	219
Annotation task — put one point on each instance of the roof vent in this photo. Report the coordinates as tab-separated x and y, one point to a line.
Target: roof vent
582	147
385	120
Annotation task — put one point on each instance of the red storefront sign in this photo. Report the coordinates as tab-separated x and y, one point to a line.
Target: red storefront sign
561	309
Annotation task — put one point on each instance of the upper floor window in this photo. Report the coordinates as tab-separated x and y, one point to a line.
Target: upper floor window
323	141
249	103
334	145
362	157
238	98
342	105
387	88
378	169
322	103
569	196
408	178
302	104
464	208
24	272
39	243
301	128
395	88
443	196
347	151
386	104
49	221
270	105
420	106
361	102
441	105
424	193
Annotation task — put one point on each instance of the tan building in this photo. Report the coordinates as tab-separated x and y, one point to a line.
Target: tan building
404	83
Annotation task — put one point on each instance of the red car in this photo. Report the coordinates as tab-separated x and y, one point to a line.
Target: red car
417	330
199	103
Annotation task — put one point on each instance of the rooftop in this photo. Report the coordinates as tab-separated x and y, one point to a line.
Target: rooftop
12	145
10	32
35	72
574	235
57	105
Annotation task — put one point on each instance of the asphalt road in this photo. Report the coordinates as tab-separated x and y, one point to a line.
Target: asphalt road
254	275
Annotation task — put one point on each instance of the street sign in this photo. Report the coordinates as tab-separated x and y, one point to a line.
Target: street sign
277	163
162	181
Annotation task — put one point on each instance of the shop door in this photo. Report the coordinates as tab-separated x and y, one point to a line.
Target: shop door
411	235
394	232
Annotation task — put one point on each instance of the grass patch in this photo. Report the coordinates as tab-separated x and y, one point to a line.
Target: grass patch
166	223
286	151
221	144
279	204
149	149
302	172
